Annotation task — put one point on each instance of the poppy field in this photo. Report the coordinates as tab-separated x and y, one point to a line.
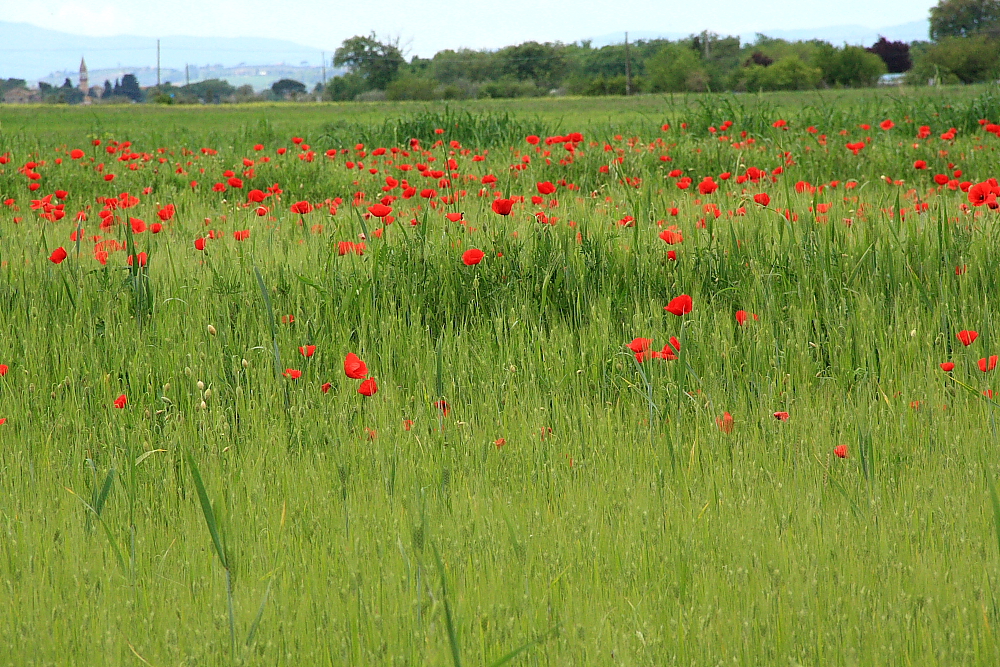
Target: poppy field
474	386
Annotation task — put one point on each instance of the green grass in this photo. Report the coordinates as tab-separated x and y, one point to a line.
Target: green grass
618	524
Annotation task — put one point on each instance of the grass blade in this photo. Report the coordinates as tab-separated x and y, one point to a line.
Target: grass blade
996	504
452	634
206	508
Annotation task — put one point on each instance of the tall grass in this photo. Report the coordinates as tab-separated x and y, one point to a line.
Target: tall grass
580	507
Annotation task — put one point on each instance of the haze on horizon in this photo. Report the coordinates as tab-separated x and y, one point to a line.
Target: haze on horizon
428	26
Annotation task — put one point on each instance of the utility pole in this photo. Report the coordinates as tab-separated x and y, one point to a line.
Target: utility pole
628	69
187	75
324	68
157	64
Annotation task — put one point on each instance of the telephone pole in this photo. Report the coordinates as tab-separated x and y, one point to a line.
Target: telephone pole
324	68
157	64
628	69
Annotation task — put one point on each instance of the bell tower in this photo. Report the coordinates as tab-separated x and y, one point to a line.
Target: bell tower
84	78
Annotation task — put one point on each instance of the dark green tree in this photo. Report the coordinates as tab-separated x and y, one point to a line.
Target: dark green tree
962	18
545	64
377	63
130	88
287	88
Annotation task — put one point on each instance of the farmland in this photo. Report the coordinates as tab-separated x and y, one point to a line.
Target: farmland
717	387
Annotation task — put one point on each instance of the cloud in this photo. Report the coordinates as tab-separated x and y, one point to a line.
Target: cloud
97	20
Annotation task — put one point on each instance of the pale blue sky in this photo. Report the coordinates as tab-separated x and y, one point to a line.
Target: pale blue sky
426	26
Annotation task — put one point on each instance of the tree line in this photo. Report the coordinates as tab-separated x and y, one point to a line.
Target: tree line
964	47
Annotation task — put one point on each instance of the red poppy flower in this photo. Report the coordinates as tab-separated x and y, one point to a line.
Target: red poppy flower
639	344
725	422
679	305
708	186
143	258
443	407
235	182
354	368
920	164
545	188
500	442
121	401
380	210
3	369
672	235
983	193
76	153
58	255
302	207
472	256
762	198
841	451
368	387
407	424
988	364
741	317
241	234
502	206
307	351
199	243
887	124
326	387
292	373
532	139
948	366
672	255
967	337
781	416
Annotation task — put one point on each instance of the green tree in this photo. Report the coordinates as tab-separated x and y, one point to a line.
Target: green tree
789	73
411	87
287	88
957	60
545	64
130	88
377	63
344	88
209	90
962	18
676	68
850	66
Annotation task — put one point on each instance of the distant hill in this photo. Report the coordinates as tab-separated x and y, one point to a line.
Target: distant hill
33	53
837	35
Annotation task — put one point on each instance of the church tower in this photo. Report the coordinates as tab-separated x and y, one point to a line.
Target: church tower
84	78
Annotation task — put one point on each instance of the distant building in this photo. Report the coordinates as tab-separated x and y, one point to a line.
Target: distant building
84	81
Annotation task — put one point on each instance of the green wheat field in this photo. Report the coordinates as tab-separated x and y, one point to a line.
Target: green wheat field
802	474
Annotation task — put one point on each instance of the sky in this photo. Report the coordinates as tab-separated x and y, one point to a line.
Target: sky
427	26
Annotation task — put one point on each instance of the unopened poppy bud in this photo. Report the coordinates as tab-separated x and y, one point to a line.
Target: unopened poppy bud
208	394
203	406
201	386
211	329
166	387
246	364
187	371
